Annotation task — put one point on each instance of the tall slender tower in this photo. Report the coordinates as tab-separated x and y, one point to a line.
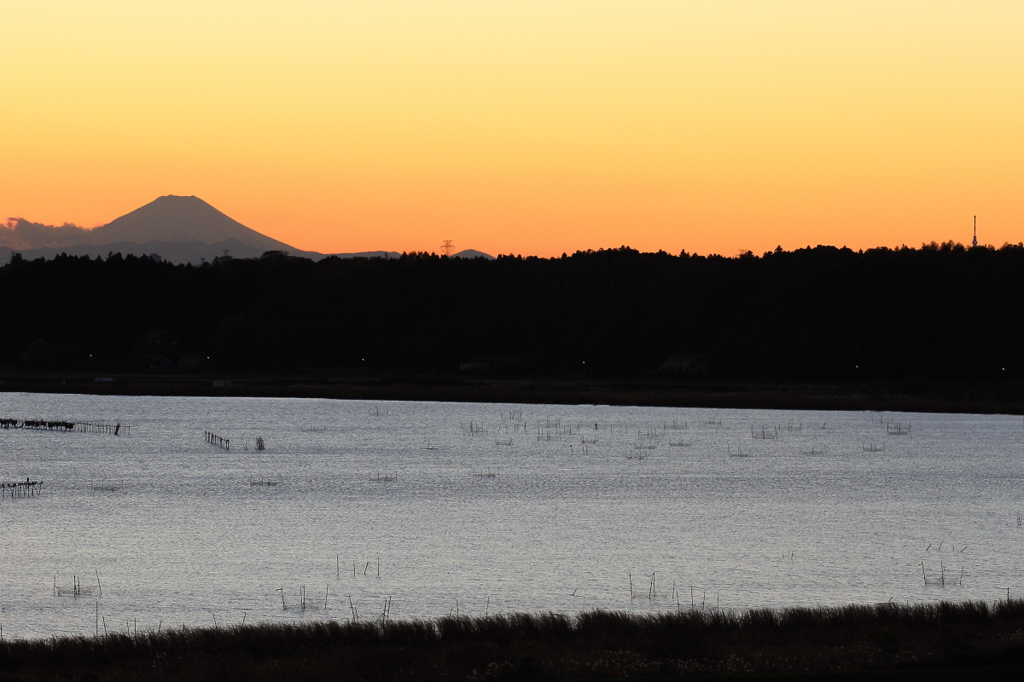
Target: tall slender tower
975	242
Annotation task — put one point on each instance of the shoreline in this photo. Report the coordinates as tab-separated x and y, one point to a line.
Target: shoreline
943	640
901	396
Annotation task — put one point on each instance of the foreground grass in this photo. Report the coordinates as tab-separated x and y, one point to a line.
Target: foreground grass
887	641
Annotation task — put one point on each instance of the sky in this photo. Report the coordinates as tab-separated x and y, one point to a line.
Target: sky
524	127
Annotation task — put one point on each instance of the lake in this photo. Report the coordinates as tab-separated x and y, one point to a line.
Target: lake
359	509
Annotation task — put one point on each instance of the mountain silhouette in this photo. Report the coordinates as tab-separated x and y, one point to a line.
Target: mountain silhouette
473	253
181	219
179	229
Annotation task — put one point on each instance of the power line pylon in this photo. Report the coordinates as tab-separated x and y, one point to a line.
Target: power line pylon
447	247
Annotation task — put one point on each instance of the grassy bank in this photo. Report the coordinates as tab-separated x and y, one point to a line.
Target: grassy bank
887	641
907	396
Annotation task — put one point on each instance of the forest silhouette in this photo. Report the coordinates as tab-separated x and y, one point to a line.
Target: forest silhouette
939	312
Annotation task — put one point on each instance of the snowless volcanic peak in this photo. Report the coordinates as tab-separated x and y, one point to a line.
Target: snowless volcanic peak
180	219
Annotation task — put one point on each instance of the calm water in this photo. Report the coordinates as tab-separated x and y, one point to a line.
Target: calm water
471	508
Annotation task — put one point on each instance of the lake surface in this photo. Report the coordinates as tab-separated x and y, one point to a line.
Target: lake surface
427	509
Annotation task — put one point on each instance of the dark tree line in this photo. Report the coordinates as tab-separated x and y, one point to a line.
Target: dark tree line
940	312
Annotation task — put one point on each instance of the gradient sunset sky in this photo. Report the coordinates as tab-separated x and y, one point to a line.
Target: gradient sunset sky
524	127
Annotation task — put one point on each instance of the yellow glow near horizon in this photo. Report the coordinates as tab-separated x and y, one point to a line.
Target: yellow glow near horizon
524	127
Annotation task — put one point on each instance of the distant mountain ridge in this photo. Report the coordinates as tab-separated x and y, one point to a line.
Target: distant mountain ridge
473	253
181	219
180	229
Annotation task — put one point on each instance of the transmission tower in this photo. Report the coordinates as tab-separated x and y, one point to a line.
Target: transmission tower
447	247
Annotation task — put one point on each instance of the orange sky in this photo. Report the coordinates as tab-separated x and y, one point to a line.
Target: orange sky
524	127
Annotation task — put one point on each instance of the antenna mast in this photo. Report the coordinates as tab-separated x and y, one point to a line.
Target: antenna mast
975	242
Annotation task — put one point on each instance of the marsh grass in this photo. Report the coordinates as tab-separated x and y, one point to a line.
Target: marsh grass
590	645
